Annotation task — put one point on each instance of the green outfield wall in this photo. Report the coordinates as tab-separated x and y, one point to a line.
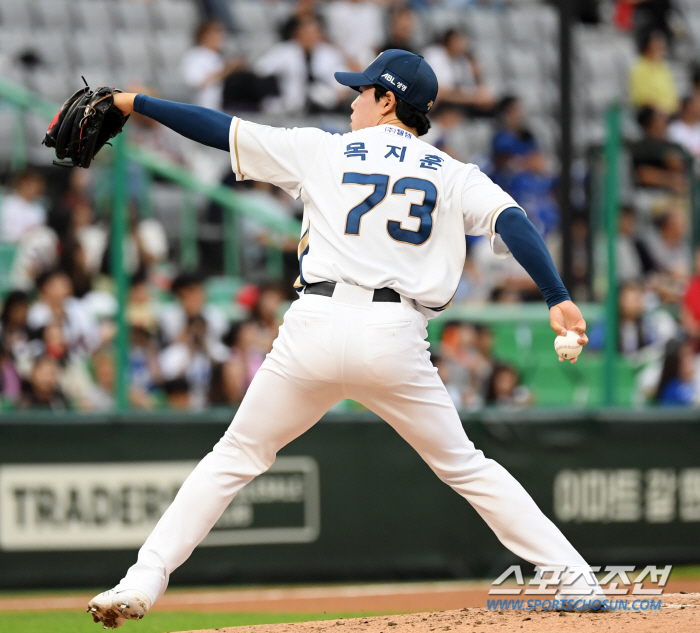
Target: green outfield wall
349	500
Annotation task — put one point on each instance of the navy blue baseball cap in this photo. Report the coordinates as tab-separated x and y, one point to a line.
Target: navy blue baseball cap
405	74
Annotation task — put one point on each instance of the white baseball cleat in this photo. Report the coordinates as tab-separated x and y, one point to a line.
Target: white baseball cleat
113	607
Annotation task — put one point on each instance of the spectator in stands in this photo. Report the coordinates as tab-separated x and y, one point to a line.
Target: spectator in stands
657	162
177	393
520	167
218	11
402	24
501	279
651	79
204	67
101	395
245	361
685	131
191	303
144	371
304	64
446	118
56	303
10	383
42	390
141	311
638	327
515	149
676	385
458	74
357	28
484	346
79	192
453	389
14	332
266	315
633	258
690	306
467	367
505	390
55	345
668	245
192	358
472	286
73	261
653	15
22	210
640	330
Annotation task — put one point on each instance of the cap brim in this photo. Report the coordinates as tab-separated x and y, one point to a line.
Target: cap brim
353	80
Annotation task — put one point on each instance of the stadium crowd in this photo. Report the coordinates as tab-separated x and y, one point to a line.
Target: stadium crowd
57	323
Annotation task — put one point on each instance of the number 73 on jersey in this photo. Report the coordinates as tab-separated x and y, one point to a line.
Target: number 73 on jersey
380	182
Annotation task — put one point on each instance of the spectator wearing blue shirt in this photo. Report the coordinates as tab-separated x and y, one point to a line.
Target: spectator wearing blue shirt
520	167
676	385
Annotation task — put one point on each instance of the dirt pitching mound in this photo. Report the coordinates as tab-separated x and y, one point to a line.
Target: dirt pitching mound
680	613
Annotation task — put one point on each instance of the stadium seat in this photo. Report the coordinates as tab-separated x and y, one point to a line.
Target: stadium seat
92	15
52	14
170	47
89	50
15	14
521	26
176	15
14	40
252	16
133	16
485	25
133	53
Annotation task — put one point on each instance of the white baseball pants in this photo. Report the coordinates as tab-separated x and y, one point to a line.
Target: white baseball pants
330	349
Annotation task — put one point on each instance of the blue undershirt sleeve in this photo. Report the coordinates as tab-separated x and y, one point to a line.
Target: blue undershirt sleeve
203	125
527	246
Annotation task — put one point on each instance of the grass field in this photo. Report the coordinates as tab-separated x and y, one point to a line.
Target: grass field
156	622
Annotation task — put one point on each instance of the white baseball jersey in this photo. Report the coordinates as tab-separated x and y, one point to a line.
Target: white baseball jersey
382	209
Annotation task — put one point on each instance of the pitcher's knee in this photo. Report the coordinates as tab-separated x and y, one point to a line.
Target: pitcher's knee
476	467
245	459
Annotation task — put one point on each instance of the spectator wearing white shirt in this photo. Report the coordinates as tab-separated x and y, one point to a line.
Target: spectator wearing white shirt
458	75
357	28
686	129
304	65
21	210
204	68
57	305
194	359
173	320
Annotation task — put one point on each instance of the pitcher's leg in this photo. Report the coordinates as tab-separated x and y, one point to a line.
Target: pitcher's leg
423	414
275	410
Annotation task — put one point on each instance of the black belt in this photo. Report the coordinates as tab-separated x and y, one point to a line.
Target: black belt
326	288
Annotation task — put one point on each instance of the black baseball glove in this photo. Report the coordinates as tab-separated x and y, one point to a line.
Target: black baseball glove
83	125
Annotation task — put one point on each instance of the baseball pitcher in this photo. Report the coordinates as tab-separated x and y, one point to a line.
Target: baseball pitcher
381	252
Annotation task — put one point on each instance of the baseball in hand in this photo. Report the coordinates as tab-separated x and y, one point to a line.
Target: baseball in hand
567	347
